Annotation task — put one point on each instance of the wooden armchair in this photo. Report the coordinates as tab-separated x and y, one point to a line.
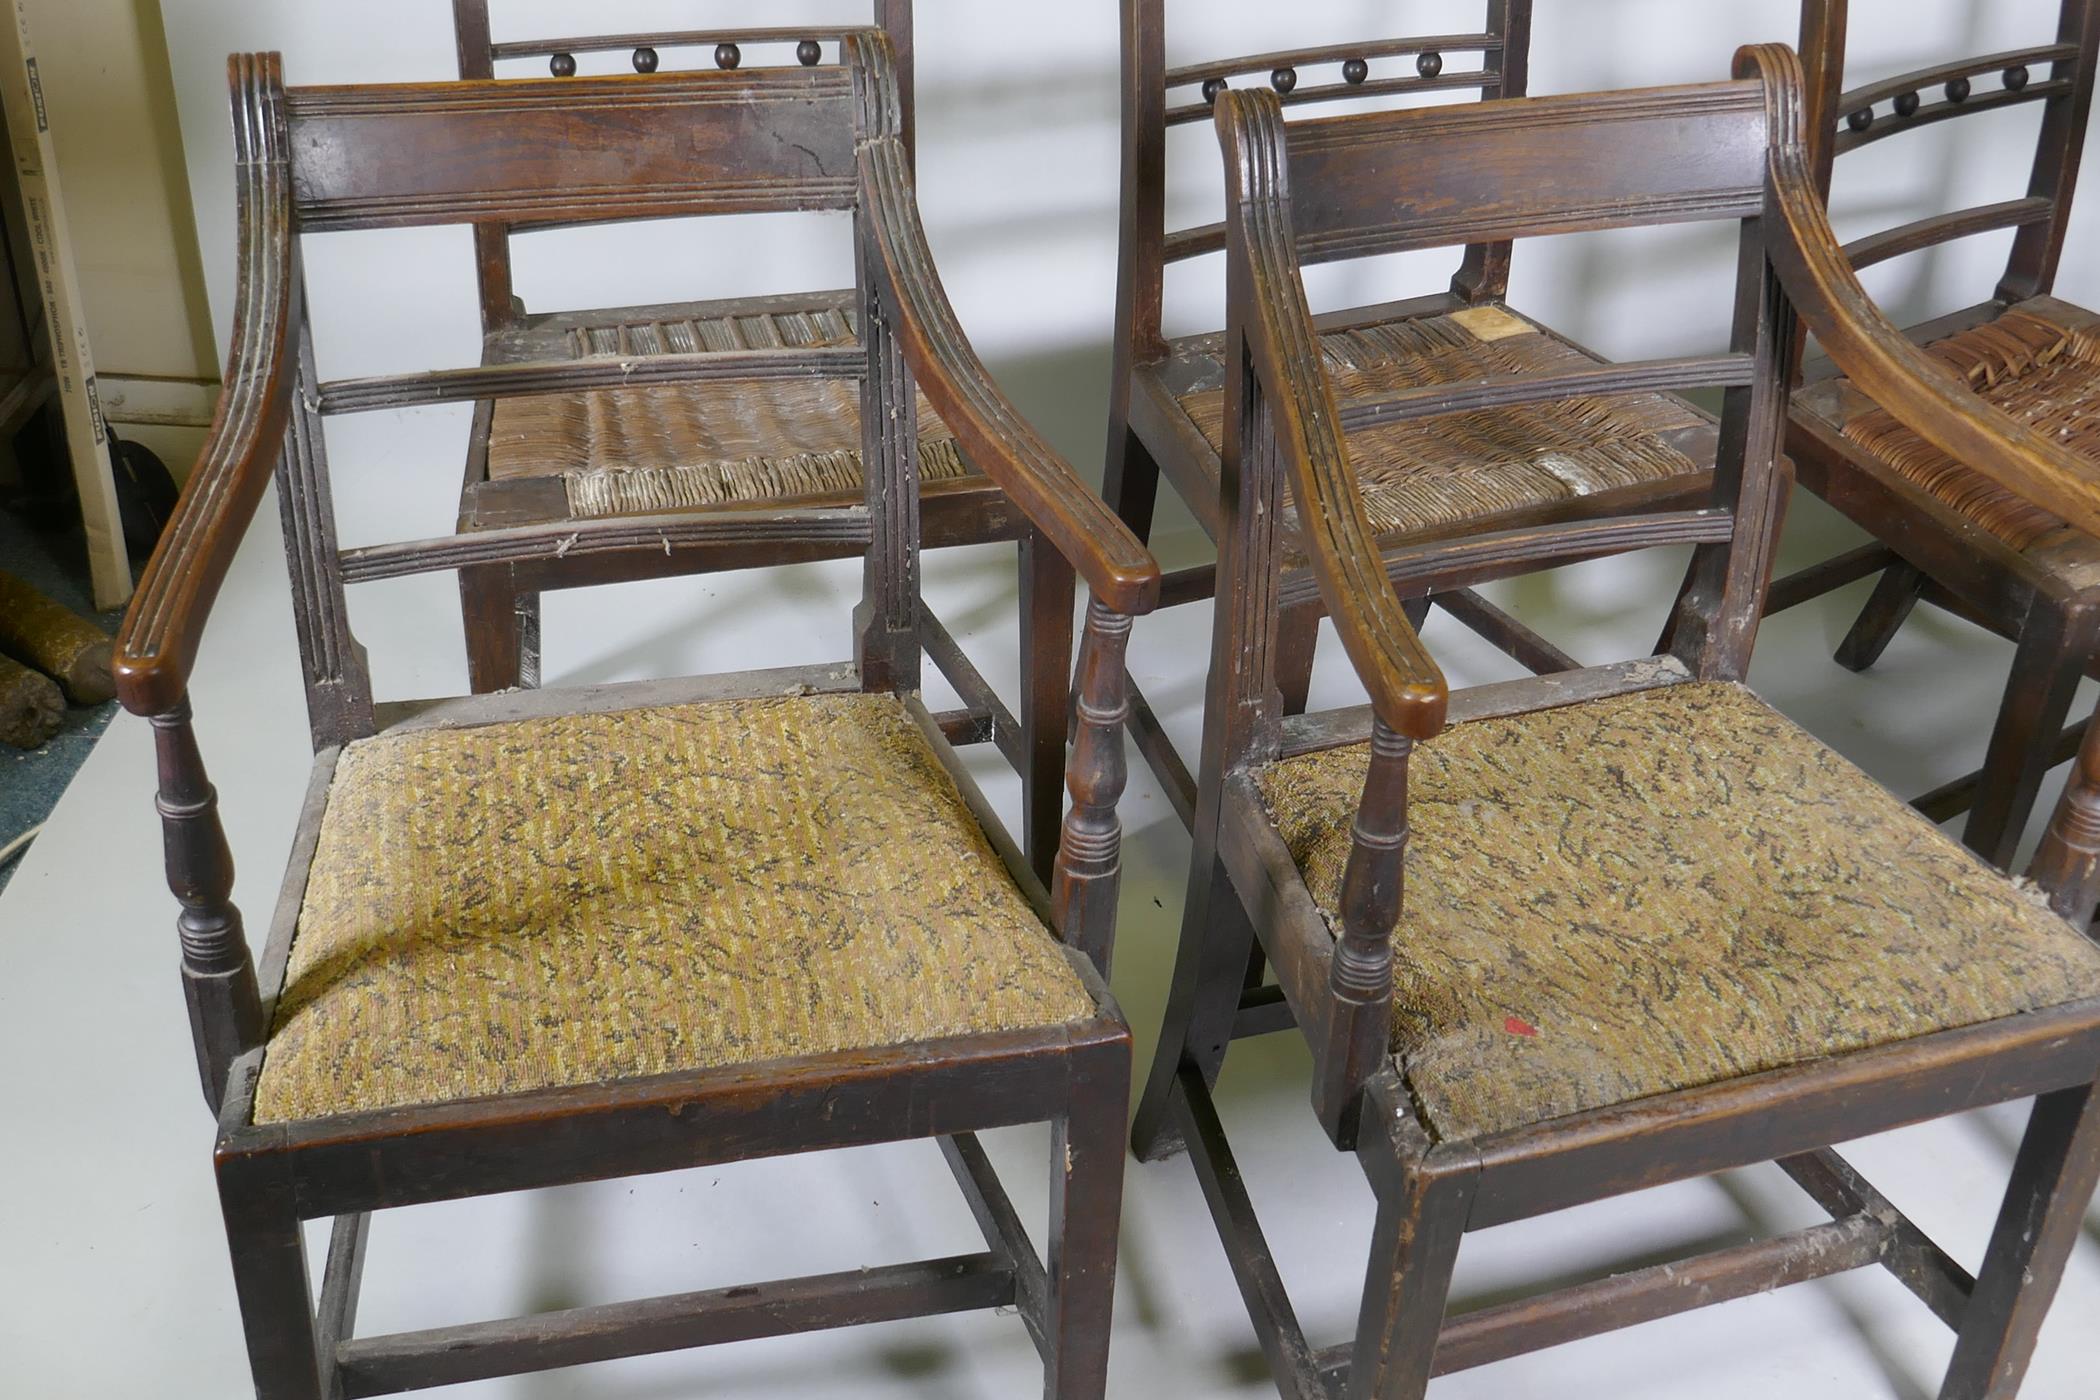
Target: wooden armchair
1650	929
1946	531
775	915
651	445
1494	468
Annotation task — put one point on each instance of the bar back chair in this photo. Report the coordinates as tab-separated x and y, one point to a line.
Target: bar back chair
1495	469
638	446
775	914
1650	929
1944	531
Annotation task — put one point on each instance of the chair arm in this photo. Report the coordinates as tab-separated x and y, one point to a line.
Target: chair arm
157	643
1118	568
1408	691
1919	392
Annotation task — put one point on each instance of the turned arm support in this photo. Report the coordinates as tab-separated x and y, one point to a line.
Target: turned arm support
1090	848
157	643
2067	863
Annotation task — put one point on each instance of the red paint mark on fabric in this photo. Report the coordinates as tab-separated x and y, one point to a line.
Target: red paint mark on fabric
1517	1025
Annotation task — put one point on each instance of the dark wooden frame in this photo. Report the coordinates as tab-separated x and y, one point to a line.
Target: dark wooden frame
319	158
501	604
1335	985
1925	550
1150	437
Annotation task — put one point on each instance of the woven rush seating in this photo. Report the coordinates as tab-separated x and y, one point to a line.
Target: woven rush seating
689	445
1460	469
1658	891
582	898
2038	361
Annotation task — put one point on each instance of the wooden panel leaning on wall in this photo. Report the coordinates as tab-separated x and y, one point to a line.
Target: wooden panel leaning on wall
652	991
1650	929
1946	531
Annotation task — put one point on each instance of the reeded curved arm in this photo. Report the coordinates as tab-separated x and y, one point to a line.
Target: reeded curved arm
1118	568
1915	389
1408	691
157	642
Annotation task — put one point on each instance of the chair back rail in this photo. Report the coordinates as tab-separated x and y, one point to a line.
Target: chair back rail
588	149
1498	59
2059	75
1479	174
1431	177
479	53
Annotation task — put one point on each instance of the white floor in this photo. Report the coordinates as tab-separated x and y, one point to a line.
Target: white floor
112	1274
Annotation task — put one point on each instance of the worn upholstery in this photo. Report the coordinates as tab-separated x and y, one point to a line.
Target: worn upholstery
578	899
1457	468
1661	890
683	446
2040	362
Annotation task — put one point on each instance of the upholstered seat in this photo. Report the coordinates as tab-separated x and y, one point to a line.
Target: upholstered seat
1457	469
583	898
2038	361
1661	890
690	445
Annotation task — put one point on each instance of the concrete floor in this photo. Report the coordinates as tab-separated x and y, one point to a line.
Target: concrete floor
113	1281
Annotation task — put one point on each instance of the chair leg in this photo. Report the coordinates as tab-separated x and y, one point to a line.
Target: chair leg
503	631
1887	609
1086	1205
2054	646
2053	1179
1210	971
1294	656
270	1281
1130	478
1047	591
1414	1248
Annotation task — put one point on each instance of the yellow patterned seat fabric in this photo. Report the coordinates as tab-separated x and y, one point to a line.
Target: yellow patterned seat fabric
580	899
1662	890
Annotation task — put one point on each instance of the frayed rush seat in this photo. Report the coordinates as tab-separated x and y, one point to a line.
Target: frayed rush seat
2038	361
584	898
1661	890
687	446
1457	469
